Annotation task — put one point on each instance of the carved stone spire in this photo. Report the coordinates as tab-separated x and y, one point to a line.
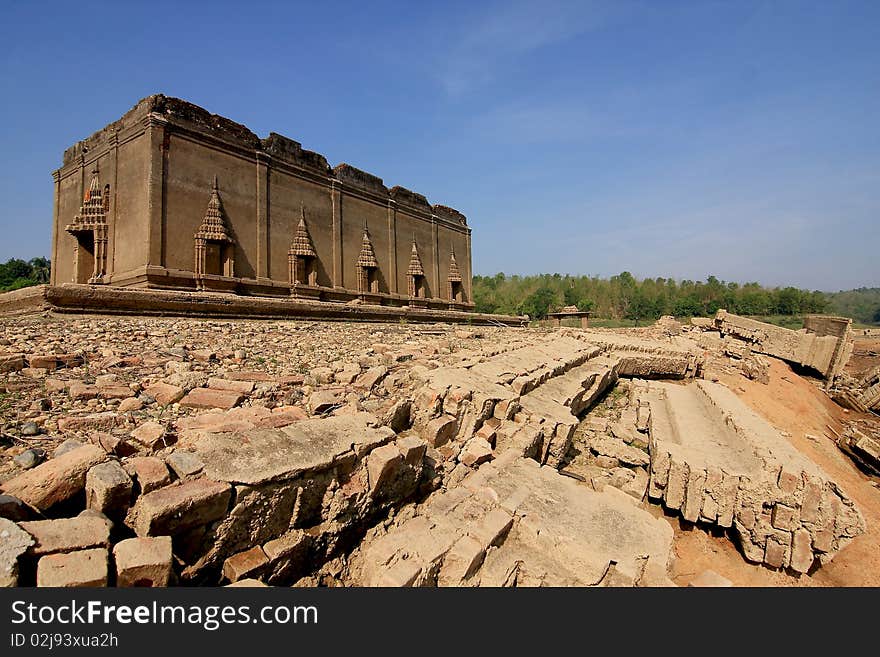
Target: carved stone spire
302	241
367	257
415	262
93	210
213	227
454	274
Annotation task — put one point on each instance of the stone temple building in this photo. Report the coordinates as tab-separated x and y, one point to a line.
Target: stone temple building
172	197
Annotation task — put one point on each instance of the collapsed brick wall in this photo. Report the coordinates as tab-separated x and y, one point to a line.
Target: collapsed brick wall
743	475
825	351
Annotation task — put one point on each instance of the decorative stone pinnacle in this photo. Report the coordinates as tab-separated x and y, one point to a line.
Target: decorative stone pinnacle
213	227
367	257
454	274
415	262
302	240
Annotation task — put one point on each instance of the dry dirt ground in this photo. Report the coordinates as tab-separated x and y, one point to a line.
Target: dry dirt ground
799	407
865	356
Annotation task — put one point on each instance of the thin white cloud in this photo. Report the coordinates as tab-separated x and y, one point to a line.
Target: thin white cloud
509	31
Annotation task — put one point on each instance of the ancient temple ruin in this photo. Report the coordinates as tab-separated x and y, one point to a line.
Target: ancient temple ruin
172	197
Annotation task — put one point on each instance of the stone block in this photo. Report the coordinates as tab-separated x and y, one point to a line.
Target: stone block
108	488
149	472
493	528
461	562
412	449
475	452
68	534
693	500
80	391
94	422
150	434
369	379
11	363
115	392
48	362
801	551
381	463
823	541
165	393
775	553
440	430
13	508
131	404
145	561
784	517
85	568
185	464
242	387
404	573
174	509
14	542
245	564
57	479
323	401
247	583
676	484
210	398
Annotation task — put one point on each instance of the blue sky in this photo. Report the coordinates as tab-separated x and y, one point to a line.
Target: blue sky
739	139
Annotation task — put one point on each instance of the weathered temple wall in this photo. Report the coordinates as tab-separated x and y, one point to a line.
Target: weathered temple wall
161	160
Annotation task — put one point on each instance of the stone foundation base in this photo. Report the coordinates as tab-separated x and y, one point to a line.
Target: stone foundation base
72	298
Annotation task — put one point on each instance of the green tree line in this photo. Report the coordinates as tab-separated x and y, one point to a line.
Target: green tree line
625	297
16	274
862	304
619	297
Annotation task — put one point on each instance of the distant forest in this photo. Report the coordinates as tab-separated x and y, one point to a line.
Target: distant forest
16	274
621	297
625	297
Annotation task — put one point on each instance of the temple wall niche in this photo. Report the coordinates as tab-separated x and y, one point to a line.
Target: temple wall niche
453	242
288	196
407	228
189	179
354	212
